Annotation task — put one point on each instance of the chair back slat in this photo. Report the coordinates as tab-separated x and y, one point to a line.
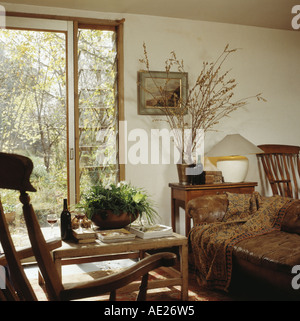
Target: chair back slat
267	165
15	171
19	278
277	171
39	246
282	168
293	162
286	175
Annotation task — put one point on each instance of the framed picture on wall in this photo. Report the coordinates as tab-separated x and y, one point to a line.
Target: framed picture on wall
158	90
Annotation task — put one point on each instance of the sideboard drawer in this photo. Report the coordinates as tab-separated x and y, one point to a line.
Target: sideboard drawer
202	192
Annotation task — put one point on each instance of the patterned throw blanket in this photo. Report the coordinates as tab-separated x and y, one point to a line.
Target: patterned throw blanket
247	215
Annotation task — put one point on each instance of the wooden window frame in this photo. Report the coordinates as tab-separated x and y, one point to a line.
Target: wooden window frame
90	23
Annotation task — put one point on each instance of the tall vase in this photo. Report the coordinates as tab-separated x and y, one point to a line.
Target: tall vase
184	179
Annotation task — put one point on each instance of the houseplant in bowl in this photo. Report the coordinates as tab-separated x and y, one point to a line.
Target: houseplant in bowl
117	205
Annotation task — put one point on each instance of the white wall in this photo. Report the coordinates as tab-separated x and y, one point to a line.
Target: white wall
268	62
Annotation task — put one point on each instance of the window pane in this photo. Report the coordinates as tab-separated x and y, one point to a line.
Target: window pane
33	117
97	74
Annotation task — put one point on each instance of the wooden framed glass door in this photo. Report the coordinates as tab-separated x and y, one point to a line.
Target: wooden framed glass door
59	105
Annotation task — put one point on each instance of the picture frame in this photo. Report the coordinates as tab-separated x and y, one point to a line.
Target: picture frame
174	84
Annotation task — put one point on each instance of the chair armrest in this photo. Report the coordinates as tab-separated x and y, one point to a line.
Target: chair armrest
118	280
207	209
27	252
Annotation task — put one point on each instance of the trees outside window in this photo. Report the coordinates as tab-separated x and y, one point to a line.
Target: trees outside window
35	113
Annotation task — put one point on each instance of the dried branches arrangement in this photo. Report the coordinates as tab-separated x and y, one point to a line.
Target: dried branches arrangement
208	101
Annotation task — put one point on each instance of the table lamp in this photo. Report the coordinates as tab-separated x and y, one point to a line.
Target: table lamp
232	162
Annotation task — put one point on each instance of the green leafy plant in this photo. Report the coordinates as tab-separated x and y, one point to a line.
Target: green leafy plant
119	198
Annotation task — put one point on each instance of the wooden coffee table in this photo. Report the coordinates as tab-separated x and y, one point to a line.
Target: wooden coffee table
74	253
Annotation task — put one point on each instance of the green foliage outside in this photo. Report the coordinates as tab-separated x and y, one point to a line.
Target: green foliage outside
33	116
33	113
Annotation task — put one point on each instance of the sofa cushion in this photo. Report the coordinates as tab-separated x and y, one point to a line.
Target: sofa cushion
291	221
277	250
241	206
207	209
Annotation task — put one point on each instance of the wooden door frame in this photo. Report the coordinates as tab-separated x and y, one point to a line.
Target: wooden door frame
118	26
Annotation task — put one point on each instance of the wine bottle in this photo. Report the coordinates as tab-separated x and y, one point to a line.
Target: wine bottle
65	222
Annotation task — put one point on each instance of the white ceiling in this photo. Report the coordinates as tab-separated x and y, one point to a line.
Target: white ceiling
262	13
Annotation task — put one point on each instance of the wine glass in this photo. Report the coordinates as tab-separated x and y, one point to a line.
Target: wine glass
79	214
51	219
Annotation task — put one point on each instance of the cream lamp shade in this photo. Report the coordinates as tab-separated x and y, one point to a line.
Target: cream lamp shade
234	168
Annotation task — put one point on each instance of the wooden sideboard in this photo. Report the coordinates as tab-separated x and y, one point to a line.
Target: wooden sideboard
181	194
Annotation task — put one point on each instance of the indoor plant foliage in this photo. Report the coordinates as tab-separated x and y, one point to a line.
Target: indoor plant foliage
208	100
118	199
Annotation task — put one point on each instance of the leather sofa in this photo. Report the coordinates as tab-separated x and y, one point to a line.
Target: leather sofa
265	261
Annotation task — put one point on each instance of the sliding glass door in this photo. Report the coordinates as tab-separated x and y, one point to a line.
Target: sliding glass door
33	118
58	106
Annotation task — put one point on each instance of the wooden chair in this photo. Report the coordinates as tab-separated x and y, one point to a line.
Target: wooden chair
15	171
282	168
9	293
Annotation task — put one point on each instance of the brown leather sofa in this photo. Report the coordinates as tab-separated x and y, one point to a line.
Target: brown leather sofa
265	261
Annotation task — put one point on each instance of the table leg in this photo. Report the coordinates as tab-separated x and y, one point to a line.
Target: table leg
41	280
57	263
187	221
176	204
141	254
173	214
184	268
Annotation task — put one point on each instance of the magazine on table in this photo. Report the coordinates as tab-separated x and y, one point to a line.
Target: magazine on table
84	235
116	235
150	231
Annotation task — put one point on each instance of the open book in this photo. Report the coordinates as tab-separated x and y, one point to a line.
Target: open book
150	231
117	235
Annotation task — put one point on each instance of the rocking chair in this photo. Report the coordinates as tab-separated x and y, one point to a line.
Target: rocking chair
15	171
